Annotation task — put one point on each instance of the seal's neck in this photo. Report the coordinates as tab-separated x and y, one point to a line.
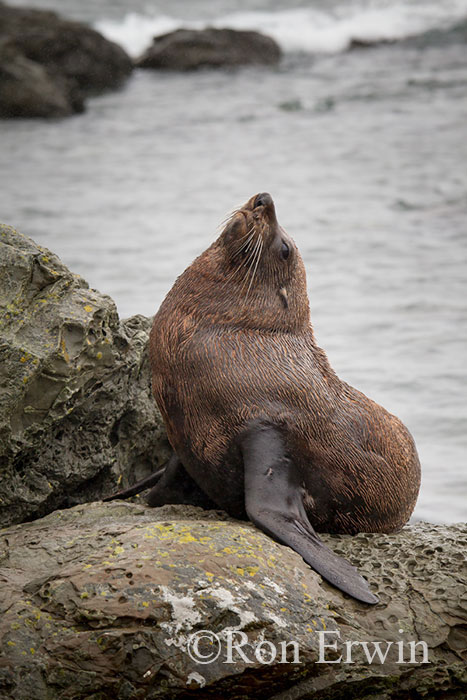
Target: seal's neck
215	295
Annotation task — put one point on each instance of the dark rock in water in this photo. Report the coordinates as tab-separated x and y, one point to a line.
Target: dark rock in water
188	49
28	90
77	417
102	600
368	43
455	34
74	59
291	105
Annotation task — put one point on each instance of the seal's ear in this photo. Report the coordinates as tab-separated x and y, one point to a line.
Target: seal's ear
273	502
234	230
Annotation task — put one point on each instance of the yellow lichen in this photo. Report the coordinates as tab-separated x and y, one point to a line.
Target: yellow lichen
64	350
187	537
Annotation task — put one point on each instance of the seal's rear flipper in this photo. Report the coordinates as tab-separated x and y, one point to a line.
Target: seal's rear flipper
273	502
177	486
138	487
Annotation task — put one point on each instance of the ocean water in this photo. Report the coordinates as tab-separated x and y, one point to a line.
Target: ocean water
364	152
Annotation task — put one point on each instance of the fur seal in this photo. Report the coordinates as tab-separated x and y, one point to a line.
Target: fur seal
260	424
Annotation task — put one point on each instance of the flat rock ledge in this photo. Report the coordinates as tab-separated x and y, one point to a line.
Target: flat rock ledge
77	416
102	601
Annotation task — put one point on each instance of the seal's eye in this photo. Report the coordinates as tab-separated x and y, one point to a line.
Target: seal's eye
284	251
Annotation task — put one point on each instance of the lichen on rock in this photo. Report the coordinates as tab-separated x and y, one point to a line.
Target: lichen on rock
103	600
77	417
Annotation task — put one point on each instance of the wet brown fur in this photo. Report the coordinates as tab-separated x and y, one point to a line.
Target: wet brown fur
228	347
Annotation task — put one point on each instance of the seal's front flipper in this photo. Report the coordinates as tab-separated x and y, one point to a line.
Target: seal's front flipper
273	502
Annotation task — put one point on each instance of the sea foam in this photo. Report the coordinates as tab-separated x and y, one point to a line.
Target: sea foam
306	30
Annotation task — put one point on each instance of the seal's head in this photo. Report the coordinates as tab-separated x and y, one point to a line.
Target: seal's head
262	266
251	277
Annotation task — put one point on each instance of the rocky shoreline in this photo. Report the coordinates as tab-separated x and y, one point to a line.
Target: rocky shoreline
102	600
49	65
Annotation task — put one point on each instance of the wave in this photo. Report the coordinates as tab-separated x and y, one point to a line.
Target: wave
301	29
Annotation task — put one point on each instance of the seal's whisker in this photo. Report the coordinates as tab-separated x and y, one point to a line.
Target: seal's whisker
247	263
245	243
249	259
258	257
258	252
237	268
250	253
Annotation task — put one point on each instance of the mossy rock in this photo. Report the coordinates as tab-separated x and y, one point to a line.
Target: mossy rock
77	417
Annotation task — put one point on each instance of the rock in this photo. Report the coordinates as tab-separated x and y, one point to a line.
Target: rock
188	49
77	417
102	600
74	58
454	34
26	88
442	38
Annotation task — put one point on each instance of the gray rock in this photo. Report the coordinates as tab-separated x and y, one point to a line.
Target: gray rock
77	418
27	89
72	57
443	38
102	601
188	49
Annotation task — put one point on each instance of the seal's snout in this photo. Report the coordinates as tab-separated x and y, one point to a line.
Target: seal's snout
263	200
266	203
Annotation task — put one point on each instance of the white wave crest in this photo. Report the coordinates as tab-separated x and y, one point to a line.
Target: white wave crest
302	29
